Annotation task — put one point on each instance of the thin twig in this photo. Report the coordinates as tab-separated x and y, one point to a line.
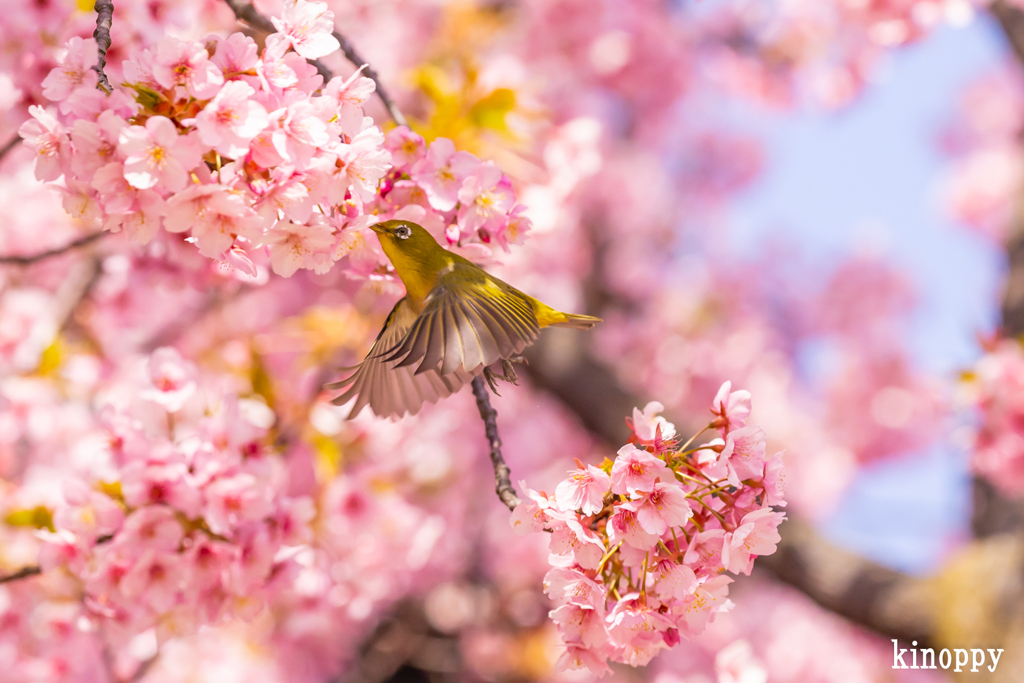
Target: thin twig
22	573
352	56
104	20
247	14
11	144
502	474
27	260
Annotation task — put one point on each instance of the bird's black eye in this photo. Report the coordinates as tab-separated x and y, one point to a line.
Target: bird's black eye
403	232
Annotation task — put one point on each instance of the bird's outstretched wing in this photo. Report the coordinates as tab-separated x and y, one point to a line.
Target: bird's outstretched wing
469	320
389	390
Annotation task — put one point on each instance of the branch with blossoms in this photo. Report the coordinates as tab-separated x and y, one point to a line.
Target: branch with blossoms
639	545
246	13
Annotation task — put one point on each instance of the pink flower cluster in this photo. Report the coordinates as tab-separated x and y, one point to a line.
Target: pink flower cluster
639	545
467	204
252	155
242	150
999	441
182	520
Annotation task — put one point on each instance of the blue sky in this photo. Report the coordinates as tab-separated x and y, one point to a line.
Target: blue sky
867	178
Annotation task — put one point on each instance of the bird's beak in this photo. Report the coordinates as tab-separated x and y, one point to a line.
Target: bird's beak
378	228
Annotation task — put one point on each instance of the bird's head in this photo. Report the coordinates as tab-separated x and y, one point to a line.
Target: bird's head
405	238
415	254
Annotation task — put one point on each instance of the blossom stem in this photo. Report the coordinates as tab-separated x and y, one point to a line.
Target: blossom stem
28	260
22	573
694	438
502	474
716	513
643	578
604	560
104	20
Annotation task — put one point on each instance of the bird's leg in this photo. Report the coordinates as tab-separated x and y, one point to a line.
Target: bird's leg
508	373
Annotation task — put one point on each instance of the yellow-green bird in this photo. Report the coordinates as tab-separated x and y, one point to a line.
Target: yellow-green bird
454	321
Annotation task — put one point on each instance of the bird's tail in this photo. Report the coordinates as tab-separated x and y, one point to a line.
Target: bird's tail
577	322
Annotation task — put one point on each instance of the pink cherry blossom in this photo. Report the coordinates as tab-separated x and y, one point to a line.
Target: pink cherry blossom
75	70
47	137
153	527
774	478
155	580
636	470
584	490
757	534
574	538
665	506
406	147
188	65
236	55
293	246
675	581
573	586
155	483
744	451
89	513
531	515
231	120
581	624
230	501
442	172
156	156
486	197
95	143
172	377
730	408
623	525
647	424
308	26
704	552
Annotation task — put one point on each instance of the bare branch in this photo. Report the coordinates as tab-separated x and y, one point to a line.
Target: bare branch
249	15
502	474
352	56
22	573
884	600
104	20
34	258
10	145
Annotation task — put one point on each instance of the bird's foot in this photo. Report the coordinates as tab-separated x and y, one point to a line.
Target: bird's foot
508	373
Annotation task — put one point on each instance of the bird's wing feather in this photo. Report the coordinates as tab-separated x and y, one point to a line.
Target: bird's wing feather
392	391
469	320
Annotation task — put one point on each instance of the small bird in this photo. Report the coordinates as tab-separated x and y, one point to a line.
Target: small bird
454	321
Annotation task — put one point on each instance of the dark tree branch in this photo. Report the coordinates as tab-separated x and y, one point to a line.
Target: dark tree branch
352	56
502	474
884	600
104	20
11	144
34	258
247	14
22	573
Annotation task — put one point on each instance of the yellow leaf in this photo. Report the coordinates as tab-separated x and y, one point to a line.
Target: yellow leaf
329	456
490	111
112	489
38	517
51	358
